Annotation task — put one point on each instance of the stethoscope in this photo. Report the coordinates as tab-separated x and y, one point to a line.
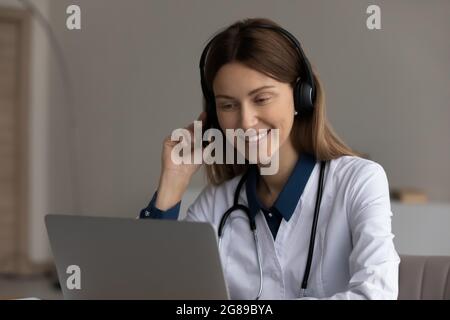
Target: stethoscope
236	206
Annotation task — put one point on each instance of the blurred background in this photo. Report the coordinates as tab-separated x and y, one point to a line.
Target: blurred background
83	112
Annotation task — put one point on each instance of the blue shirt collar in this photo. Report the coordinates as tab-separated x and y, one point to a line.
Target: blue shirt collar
290	195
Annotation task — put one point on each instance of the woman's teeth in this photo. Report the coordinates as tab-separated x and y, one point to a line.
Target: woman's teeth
258	137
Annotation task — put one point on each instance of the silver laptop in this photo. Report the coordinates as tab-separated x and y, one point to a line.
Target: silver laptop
119	258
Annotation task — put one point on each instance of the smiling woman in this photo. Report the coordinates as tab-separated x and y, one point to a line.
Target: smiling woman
273	242
250	78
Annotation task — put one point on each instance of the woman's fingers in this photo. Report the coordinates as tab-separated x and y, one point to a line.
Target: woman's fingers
190	128
201	117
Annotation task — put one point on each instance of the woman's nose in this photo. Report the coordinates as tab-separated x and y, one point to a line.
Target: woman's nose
249	117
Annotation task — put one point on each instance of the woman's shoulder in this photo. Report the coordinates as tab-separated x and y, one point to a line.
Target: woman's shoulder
354	168
363	183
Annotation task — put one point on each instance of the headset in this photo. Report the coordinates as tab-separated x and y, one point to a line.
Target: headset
304	88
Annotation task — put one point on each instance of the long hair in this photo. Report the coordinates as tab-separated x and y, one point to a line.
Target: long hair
270	53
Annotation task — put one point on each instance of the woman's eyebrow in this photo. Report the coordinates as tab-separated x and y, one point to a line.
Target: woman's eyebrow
249	94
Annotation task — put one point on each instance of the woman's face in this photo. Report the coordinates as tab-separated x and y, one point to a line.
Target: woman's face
247	99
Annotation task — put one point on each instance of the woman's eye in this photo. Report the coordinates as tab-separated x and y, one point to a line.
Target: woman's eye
226	106
262	100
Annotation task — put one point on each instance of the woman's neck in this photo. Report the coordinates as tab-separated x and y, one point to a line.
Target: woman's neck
271	185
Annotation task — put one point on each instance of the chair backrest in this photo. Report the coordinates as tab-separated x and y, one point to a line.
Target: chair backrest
424	277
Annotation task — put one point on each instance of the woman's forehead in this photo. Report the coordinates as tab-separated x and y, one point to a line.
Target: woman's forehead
238	79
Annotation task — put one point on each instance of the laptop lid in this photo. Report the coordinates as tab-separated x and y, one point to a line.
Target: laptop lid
121	258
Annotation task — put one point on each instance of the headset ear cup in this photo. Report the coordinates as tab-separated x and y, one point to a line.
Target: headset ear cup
297	97
209	117
212	121
303	97
305	93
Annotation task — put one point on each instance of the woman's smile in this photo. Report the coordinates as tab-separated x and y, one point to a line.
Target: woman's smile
257	137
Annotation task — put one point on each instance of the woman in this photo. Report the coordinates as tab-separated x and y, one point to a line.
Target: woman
256	77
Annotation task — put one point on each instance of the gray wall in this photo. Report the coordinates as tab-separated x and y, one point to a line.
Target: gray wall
134	69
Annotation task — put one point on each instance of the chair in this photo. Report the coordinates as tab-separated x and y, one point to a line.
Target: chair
424	278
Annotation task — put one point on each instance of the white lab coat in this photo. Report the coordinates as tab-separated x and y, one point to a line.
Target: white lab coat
354	255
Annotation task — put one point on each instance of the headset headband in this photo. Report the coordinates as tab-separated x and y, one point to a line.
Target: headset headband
309	79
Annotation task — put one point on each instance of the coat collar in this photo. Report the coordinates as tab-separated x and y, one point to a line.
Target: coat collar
288	198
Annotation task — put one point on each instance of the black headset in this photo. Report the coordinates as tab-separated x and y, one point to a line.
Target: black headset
304	89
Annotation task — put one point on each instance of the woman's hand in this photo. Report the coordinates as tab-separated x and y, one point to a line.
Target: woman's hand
182	170
175	178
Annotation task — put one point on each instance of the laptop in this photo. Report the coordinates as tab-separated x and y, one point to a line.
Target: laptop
122	258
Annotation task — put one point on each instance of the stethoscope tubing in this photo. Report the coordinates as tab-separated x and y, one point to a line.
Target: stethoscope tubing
252	223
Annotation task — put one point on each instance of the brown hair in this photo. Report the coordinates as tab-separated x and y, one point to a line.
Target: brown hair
270	53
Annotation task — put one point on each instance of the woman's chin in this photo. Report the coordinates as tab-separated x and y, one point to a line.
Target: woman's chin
262	159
